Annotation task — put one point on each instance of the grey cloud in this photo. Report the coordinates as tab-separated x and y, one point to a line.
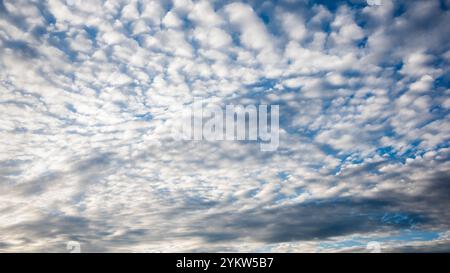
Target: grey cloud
313	221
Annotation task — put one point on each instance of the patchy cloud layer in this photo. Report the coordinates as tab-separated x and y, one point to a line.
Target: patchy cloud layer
89	91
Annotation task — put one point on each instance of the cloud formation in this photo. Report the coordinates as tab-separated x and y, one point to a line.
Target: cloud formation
89	92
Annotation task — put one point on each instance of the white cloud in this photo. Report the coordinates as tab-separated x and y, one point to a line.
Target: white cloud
89	94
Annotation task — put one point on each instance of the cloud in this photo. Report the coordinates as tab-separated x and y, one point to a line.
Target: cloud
89	95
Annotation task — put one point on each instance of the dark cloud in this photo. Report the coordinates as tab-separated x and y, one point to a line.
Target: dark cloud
325	219
318	220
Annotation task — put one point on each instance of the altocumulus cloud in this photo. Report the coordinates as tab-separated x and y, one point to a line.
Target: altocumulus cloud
89	92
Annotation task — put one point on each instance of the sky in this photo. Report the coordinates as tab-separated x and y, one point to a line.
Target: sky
89	92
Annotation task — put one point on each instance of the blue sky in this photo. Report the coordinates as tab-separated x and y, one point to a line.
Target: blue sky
89	92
